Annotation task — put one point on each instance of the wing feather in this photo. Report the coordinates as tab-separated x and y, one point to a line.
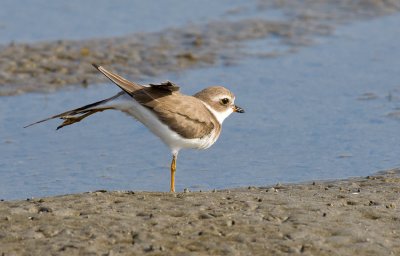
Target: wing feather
183	114
126	85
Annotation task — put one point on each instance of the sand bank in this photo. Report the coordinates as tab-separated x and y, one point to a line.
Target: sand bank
343	217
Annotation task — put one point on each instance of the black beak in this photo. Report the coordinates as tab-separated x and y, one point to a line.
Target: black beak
238	109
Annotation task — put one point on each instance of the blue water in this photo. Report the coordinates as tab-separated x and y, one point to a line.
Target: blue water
304	121
29	21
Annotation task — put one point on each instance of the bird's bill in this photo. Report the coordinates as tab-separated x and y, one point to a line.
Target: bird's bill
238	109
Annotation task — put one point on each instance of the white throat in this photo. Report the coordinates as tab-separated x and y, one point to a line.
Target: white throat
220	116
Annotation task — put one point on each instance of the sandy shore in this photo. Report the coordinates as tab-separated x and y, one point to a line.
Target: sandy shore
357	216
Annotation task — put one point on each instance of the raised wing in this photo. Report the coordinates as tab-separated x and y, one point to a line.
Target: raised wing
183	114
126	85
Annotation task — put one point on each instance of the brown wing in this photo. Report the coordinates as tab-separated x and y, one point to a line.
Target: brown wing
185	115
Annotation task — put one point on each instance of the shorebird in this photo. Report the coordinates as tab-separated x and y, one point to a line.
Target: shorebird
179	120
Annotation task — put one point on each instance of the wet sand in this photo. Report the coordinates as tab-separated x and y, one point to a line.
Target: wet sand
356	216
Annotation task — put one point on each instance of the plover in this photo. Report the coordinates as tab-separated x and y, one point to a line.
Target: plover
179	120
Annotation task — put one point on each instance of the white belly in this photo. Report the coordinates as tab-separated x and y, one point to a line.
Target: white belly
172	139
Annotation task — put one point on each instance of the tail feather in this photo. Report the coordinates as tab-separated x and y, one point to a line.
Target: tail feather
76	115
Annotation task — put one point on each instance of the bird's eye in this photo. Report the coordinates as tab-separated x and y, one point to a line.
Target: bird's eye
224	101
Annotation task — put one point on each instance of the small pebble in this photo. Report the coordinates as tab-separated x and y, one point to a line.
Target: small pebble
149	249
205	216
230	223
351	203
44	209
373	203
392	205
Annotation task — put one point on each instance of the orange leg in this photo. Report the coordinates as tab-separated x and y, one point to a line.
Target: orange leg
173	169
